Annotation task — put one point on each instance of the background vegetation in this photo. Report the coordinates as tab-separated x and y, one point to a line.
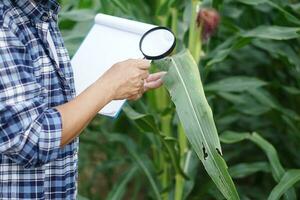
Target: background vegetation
250	72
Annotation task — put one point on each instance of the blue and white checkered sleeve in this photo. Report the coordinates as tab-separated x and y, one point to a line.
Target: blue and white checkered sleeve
30	132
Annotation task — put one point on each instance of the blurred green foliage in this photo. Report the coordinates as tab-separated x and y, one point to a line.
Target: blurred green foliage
251	75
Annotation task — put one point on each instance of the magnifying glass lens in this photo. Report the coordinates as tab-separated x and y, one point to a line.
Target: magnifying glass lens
157	43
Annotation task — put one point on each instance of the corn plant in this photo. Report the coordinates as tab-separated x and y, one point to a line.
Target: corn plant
250	75
184	84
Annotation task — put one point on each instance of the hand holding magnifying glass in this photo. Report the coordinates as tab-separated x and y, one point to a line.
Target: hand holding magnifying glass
155	44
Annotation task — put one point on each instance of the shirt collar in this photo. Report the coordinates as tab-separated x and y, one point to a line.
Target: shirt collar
43	10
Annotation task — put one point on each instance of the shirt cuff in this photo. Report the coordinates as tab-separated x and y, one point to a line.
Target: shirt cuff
49	136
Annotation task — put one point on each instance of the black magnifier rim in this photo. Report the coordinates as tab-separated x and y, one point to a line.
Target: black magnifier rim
162	55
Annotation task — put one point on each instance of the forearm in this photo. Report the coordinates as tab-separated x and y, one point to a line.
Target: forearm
77	113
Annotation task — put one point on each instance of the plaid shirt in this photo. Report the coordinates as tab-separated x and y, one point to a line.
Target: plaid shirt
32	164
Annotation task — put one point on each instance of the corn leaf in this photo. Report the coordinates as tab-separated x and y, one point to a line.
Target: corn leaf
141	159
245	169
190	168
273	32
235	84
79	197
185	87
287	15
146	123
230	137
119	189
277	169
253	2
288	180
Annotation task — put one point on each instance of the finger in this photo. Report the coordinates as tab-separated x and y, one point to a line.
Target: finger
144	74
143	64
156	76
153	84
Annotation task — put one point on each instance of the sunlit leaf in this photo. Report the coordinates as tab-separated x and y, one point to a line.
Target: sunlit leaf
185	87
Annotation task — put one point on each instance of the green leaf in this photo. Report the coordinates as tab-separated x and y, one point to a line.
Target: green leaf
265	98
253	2
230	137
80	197
235	84
235	98
245	169
146	123
277	169
191	166
224	50
273	32
170	144
253	109
288	180
145	169
279	50
291	90
219	56
137	157
287	15
185	87
119	188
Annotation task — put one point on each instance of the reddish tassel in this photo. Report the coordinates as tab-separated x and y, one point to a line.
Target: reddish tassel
209	19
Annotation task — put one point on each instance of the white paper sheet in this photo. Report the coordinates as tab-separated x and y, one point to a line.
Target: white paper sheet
110	40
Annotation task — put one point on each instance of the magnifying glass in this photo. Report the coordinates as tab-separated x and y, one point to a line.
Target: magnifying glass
157	43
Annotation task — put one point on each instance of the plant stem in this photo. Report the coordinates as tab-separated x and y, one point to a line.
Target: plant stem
166	129
195	43
174	25
183	144
162	102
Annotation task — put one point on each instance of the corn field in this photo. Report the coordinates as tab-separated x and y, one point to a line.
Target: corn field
226	123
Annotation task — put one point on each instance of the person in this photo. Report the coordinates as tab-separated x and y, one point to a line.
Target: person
40	117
